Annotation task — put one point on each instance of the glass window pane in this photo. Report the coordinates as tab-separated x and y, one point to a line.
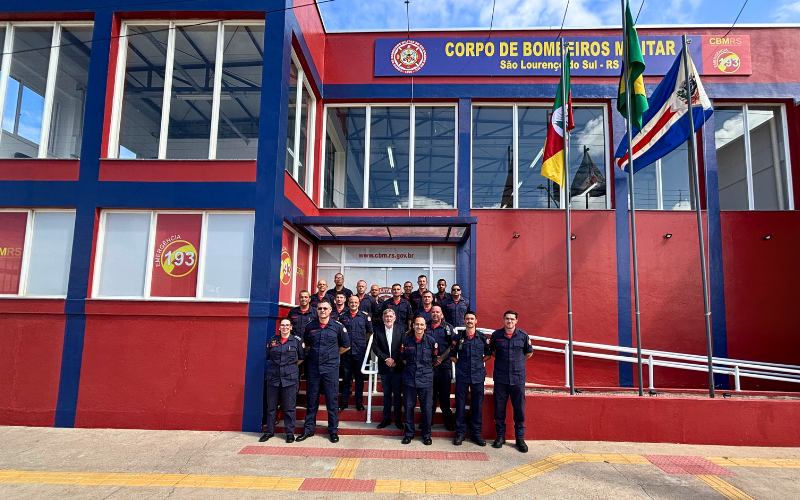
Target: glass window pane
343	183
192	96
535	191
175	255
306	110
122	270
767	150
327	274
229	256
645	189
449	275
372	275
144	92
51	252
492	157
290	128
434	157
444	255
731	163
388	255
388	158
586	146
403	274
24	104
72	78
240	100
13	226
330	254
675	185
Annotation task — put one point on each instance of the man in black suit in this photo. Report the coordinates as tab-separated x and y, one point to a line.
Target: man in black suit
386	346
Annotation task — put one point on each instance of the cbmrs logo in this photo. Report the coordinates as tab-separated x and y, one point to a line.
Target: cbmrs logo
10	252
408	57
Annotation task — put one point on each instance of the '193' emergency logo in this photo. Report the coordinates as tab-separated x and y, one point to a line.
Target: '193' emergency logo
727	61
179	258
286	267
409	56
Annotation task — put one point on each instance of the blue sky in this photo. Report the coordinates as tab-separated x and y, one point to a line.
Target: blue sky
391	14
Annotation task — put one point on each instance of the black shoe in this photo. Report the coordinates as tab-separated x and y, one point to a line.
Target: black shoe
334	438
303	437
290	438
478	440
499	442
265	437
522	446
399	424
384	423
360	407
450	426
406	440
458	440
342	407
427	441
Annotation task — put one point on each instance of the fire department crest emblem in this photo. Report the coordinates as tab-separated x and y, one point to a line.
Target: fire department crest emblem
409	57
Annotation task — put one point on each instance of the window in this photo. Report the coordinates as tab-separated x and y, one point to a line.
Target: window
169	255
188	91
43	89
295	266
411	152
35	252
505	176
667	183
300	130
752	158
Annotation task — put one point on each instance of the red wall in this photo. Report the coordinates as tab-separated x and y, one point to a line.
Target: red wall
32	339
171	366
310	22
761	289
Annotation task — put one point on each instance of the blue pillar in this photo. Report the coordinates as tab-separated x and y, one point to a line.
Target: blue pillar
268	229
466	256
623	237
91	145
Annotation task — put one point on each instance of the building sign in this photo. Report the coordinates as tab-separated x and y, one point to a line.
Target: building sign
287	266
12	243
541	56
176	255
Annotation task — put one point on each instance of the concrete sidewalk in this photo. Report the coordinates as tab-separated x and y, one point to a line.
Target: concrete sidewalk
44	463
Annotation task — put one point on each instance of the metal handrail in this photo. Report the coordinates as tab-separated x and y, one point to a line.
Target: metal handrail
372	379
722	366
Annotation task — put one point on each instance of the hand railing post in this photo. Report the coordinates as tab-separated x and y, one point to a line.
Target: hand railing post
737	387
650	369
566	367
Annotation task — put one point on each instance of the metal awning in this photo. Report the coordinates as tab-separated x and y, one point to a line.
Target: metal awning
397	229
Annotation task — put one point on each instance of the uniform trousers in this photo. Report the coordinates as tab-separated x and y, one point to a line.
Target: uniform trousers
352	369
516	392
410	396
475	407
441	392
289	395
327	383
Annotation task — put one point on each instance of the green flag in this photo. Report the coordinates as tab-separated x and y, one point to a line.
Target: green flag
635	67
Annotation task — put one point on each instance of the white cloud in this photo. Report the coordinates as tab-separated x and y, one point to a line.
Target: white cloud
789	12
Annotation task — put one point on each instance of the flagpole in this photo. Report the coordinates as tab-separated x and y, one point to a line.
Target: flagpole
566	190
628	89
696	173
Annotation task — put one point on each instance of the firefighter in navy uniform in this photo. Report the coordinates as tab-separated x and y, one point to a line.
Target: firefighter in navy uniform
366	301
441	294
401	307
338	280
511	347
469	350
339	305
418	352
359	328
284	353
442	375
302	315
325	340
425	307
455	306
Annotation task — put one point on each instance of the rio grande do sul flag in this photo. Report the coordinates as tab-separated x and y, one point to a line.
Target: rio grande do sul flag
553	164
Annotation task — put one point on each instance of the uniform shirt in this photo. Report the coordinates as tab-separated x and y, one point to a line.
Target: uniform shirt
316	298
415	298
323	343
509	362
421	311
283	358
335	314
439	301
470	352
300	319
454	311
358	326
419	357
368	305
347	293
402	310
442	334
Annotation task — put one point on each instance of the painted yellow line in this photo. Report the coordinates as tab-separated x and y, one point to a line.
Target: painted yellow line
724	488
345	468
789	463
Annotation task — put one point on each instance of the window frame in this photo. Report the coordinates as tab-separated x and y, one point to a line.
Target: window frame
52	73
201	261
748	152
515	145
411	150
115	129
302	82
26	252
299	237
660	184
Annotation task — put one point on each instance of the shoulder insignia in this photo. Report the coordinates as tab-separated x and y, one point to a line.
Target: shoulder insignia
298	338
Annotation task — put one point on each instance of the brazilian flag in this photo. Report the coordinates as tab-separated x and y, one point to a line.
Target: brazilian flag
635	69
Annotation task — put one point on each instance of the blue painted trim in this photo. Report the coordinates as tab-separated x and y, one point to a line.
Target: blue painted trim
269	196
716	275
464	155
386	239
623	240
305	54
473	266
94	112
254	6
383	221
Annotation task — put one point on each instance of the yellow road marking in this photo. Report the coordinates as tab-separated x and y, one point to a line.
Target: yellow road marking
789	463
345	468
724	488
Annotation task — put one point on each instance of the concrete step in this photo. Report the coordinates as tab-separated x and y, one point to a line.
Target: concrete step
351	415
348	428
